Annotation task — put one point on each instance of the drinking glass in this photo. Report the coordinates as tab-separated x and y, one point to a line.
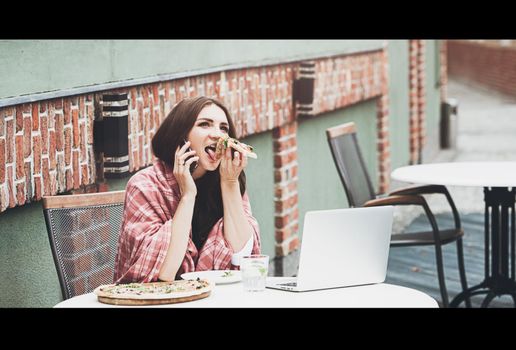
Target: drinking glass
254	272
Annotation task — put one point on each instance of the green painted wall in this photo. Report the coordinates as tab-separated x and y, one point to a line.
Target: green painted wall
27	272
319	184
398	53
34	66
260	187
433	99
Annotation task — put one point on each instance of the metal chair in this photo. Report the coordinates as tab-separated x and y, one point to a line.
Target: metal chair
83	231
350	165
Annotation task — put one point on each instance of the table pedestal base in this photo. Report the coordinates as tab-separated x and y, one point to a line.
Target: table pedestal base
499	250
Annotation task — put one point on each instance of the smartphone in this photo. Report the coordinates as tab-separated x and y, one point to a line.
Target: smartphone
194	165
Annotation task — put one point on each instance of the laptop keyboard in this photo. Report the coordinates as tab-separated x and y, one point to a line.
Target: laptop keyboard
289	284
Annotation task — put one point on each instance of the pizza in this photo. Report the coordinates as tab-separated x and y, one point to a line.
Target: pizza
154	292
226	141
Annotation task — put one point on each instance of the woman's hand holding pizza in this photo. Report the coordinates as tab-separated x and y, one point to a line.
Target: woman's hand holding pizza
231	167
182	170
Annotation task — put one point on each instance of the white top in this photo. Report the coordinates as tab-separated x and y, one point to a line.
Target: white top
232	295
246	250
484	174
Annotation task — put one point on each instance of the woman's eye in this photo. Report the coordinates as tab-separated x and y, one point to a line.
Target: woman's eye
225	129
203	124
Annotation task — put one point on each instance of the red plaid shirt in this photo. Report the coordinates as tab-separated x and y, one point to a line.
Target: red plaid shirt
151	199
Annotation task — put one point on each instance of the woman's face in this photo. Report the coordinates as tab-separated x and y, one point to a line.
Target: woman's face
210	125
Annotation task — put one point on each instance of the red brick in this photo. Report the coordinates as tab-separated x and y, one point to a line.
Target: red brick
19	157
155	93
37	188
283	234
76	170
82	141
75	126
145	96
36	151
27	141
45	178
52	150
140	143
43	107
28	182
2	123
68	146
281	221
67	115
10	150
44	134
81	106
20	193
69	179
294	244
35	116
10	187
57	103
2	160
90	123
84	174
19	119
59	132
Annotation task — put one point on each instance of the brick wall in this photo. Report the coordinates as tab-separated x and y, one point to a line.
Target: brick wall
47	147
286	217
258	99
486	63
417	99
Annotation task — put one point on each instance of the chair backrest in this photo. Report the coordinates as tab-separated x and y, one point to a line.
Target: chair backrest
350	164
83	231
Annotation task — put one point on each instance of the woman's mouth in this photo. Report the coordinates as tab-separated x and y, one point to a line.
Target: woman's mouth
210	150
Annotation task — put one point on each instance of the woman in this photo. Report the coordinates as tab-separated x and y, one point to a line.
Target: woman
189	211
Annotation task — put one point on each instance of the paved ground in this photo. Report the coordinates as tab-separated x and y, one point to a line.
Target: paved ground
486	132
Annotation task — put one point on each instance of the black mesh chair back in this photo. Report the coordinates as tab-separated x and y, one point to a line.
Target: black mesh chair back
359	190
350	164
83	231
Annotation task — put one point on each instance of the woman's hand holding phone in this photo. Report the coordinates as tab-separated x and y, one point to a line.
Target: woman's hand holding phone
183	158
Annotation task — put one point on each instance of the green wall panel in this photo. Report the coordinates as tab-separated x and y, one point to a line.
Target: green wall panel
433	99
398	52
27	271
319	184
35	66
260	187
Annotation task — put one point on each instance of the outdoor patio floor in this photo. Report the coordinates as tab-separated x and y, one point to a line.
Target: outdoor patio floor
415	267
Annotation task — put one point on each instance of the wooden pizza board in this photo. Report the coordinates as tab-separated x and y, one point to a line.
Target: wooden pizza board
119	301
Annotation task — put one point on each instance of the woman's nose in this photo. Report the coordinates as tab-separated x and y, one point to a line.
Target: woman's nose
215	134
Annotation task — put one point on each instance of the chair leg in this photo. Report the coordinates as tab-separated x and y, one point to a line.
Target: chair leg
440	275
462	271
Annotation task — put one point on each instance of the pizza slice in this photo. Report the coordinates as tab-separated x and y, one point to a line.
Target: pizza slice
226	141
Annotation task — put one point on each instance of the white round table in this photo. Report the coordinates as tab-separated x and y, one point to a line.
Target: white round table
232	295
499	182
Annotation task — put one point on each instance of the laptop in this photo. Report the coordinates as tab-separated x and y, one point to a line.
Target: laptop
341	248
